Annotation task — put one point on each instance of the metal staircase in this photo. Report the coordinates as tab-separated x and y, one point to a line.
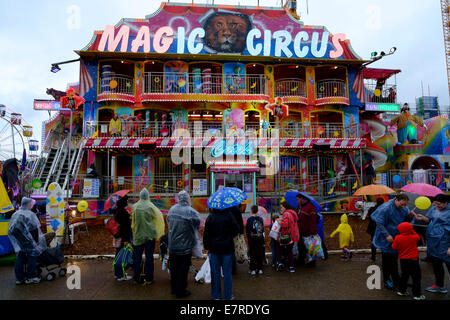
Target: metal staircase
57	164
74	164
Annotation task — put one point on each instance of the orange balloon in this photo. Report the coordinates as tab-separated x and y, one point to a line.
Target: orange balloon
113	84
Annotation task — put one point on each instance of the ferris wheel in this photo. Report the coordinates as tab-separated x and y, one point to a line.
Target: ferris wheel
15	136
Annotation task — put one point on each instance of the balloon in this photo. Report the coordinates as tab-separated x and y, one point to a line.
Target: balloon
113	84
82	206
377	92
396	179
422	203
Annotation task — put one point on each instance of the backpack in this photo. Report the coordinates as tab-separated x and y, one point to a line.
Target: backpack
113	227
124	258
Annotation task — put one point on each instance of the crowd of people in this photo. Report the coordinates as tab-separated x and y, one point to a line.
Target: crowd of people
390	229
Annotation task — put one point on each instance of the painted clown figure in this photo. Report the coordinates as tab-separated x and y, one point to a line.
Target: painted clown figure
407	126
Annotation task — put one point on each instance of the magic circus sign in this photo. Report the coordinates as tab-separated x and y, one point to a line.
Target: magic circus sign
187	29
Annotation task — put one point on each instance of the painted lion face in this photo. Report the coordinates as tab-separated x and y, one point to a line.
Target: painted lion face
227	32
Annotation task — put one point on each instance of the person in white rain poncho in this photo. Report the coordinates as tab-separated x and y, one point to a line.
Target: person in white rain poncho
25	234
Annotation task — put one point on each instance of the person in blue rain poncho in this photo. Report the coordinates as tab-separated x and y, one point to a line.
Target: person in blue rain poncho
438	240
24	231
387	217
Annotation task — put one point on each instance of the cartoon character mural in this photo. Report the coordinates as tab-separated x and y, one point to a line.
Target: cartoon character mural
179	119
176	77
141	171
233	122
234	74
226	31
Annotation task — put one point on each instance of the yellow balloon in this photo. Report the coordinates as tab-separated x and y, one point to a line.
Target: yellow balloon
82	206
377	92
422	203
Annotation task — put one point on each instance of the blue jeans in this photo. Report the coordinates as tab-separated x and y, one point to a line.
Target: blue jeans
217	261
149	248
22	260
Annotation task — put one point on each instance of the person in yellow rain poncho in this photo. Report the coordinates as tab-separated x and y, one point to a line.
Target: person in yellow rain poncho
5	204
345	236
115	126
147	224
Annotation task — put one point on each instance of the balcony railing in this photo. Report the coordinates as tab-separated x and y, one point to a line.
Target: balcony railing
331	88
385	94
203	83
217	129
118	83
290	87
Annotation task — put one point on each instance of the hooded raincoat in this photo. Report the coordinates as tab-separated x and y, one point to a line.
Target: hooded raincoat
147	221
438	233
345	232
183	221
388	217
24	230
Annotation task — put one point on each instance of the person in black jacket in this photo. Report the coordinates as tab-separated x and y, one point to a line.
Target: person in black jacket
122	217
372	227
220	229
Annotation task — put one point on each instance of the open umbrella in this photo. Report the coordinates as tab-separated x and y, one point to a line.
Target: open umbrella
423	189
110	203
226	198
290	197
373	189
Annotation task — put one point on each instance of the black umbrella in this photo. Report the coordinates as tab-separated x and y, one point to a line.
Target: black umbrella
10	173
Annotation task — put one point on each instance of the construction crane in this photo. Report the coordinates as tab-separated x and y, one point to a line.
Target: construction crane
445	7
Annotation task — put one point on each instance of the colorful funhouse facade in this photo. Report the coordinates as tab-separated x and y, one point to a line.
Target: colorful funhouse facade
197	97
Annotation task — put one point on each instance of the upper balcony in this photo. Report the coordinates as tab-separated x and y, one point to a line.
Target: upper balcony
117	87
374	92
292	90
331	85
217	129
207	85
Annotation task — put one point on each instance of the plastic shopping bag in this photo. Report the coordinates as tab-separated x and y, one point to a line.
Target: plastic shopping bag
275	231
313	246
204	273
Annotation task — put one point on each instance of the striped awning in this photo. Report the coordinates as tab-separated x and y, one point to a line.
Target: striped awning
302	143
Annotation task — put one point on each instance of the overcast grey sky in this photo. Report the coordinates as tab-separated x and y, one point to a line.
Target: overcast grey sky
34	34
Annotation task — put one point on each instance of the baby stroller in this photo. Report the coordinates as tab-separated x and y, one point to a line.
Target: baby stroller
49	263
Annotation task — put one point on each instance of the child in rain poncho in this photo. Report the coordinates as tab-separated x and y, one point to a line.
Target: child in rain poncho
25	234
345	236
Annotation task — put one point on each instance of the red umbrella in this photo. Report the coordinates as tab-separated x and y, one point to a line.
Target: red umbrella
111	201
422	189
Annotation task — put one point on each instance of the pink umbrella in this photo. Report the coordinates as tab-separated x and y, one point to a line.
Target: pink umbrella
111	201
422	189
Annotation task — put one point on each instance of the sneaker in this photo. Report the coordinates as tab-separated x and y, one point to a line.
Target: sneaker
253	272
126	278
273	265
422	297
291	270
389	285
403	294
435	288
18	282
260	272
33	280
280	267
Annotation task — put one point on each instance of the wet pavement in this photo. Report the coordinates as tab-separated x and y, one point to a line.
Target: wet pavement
331	279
